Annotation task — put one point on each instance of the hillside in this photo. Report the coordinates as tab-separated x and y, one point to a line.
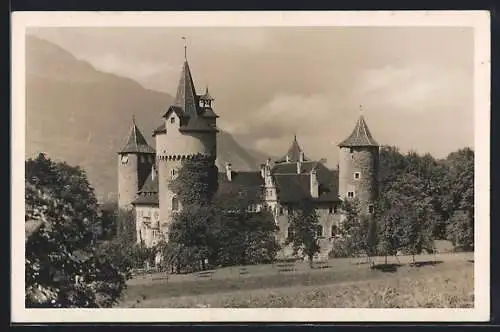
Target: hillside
81	115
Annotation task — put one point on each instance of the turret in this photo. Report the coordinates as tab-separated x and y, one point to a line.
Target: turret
358	167
134	165
188	130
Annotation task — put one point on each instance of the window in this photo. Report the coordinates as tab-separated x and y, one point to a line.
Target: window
173	173
175	204
371	209
330	210
357	175
351	150
172	120
350	194
124	159
281	211
319	231
334	230
155	233
289	232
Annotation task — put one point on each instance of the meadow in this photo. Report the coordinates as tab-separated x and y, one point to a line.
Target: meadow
437	281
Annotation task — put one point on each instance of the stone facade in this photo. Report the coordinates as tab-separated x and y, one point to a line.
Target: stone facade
188	129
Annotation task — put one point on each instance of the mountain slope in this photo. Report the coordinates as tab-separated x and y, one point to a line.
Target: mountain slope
81	115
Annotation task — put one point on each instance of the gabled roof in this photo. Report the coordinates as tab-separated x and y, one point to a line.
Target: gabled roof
251	182
293	153
292	187
136	143
360	136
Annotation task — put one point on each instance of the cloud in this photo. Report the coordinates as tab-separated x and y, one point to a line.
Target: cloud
139	70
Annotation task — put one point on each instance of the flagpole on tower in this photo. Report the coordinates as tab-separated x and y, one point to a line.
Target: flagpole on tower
185	48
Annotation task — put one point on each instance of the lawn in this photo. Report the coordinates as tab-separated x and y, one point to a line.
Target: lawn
441	281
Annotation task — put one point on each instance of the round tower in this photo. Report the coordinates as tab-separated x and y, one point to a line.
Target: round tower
134	165
358	167
188	131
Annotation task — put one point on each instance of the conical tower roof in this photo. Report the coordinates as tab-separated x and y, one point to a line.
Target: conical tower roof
293	153
360	136
136	143
186	97
207	95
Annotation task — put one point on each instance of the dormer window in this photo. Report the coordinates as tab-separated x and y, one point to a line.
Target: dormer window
172	119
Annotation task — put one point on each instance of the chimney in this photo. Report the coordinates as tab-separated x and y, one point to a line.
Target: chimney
287	159
229	172
299	167
263	170
314	183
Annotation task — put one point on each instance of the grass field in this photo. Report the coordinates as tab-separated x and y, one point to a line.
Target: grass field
441	281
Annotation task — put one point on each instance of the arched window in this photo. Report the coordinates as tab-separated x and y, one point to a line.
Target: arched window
175	204
173	173
334	230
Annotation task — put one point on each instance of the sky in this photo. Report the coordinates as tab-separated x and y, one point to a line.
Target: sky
414	84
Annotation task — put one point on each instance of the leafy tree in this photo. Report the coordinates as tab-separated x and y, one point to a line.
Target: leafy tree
388	218
459	184
220	229
358	231
417	214
303	229
461	230
109	220
196	181
126	228
63	267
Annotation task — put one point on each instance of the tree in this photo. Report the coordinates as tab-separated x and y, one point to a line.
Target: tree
303	229
218	228
459	194
461	230
196	182
388	218
63	266
417	214
358	232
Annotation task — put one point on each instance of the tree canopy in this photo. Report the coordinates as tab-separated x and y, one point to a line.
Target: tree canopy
63	267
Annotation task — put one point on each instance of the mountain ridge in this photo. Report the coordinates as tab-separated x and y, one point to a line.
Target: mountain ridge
81	115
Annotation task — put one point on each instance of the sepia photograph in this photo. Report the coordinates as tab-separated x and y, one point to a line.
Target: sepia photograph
214	162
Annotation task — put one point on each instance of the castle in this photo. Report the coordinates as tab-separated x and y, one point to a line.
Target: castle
189	129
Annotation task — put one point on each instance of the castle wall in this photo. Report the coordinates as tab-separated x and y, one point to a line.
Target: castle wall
326	220
147	224
362	160
175	142
128	181
170	148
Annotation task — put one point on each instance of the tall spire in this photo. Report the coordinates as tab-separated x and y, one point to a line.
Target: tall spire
136	143
186	98
360	136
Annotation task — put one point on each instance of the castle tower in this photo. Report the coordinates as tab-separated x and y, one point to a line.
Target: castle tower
188	130
358	167
134	165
